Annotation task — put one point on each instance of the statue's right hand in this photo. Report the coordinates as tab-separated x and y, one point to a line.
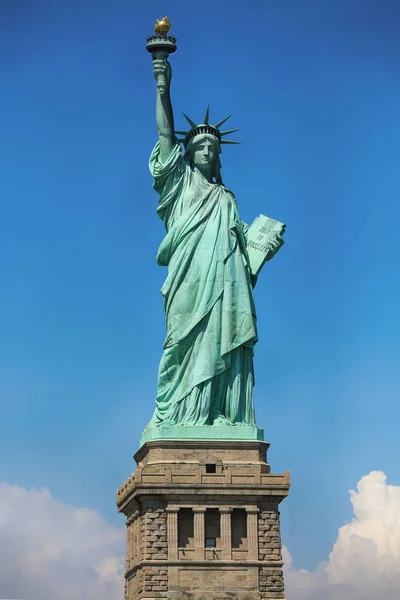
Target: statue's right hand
162	73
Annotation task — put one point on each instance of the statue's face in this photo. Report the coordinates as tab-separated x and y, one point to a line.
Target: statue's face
205	151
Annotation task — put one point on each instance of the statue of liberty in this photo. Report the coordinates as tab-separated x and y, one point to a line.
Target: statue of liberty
206	372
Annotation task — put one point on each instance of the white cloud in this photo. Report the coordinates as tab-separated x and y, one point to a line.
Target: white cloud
50	550
365	560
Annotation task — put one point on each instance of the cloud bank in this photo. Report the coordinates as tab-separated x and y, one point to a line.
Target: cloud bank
50	550
365	560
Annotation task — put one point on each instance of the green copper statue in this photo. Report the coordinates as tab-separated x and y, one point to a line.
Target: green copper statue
206	373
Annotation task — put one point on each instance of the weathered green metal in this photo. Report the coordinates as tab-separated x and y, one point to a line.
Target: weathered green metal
205	382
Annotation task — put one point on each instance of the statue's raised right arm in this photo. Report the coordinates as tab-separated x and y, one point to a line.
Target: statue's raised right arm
164	113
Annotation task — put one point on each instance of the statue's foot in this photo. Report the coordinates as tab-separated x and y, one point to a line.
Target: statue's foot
222	421
242	424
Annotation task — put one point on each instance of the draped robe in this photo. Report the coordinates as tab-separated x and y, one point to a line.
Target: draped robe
206	371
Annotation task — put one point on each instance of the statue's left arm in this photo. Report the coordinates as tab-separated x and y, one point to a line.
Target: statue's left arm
275	245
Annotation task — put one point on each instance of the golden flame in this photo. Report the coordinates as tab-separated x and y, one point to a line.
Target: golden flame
162	25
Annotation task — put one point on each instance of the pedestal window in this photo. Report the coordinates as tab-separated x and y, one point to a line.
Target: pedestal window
186	533
239	533
212	533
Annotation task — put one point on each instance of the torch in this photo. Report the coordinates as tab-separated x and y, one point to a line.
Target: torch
161	44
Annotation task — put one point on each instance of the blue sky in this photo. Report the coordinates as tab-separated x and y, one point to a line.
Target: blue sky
315	87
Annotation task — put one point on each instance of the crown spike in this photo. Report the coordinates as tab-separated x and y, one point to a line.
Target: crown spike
181	132
229	142
218	125
191	123
207	115
228	132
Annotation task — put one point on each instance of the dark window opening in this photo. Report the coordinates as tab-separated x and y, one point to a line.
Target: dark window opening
239	528
211	468
185	528
212	529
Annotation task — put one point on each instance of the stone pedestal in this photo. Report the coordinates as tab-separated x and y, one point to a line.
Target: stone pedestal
203	522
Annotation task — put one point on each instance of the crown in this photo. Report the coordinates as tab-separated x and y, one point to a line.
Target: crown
204	128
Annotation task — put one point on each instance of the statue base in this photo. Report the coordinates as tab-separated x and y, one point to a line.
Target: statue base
203	521
202	432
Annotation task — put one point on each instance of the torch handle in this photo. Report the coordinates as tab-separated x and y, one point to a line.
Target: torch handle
161	55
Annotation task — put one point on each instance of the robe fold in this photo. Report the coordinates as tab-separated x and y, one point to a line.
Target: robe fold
206	371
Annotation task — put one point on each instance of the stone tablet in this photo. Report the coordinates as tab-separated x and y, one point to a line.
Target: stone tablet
263	230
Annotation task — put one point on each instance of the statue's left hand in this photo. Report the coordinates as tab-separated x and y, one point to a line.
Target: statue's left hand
274	245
